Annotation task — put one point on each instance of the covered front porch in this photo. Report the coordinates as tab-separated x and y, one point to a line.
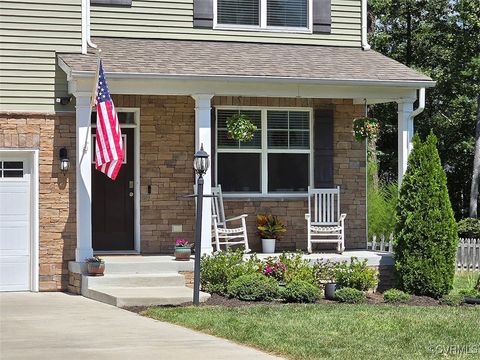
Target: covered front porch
177	96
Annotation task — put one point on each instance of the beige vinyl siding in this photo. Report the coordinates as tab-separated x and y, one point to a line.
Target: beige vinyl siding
31	32
173	19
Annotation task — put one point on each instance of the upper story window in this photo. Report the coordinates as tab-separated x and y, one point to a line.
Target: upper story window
278	15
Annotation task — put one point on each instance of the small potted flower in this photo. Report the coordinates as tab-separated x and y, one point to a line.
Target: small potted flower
183	250
269	229
325	273
95	266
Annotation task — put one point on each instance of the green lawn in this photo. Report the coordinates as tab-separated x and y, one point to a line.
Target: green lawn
338	331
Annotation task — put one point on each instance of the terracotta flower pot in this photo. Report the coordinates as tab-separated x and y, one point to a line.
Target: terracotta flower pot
95	268
182	253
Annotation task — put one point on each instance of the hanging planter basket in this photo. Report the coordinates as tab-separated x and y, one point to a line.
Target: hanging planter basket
240	128
365	128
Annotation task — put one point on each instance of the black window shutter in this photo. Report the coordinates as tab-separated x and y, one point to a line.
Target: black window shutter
322	16
213	140
323	148
203	13
112	2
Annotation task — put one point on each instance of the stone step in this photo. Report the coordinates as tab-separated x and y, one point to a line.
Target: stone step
143	296
144	264
137	280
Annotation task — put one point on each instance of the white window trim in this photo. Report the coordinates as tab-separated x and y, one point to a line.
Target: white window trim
263	22
264	151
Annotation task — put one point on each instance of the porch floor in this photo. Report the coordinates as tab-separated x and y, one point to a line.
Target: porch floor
374	258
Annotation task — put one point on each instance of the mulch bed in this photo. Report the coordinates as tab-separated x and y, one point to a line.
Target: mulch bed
218	300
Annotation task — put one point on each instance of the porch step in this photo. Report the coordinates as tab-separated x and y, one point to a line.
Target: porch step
137	280
143	296
144	264
140	281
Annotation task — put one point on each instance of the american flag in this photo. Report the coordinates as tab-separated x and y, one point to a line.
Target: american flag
108	143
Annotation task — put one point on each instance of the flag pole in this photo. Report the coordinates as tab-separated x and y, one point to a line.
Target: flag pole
92	103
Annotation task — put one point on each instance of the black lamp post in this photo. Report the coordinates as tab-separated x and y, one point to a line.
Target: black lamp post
200	164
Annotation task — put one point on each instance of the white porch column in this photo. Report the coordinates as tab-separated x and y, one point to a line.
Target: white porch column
405	134
203	109
83	176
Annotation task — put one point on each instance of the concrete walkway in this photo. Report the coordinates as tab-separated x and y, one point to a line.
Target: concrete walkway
61	326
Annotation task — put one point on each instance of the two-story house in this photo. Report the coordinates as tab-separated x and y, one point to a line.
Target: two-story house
177	69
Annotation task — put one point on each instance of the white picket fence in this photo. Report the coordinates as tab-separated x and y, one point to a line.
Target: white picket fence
381	243
468	253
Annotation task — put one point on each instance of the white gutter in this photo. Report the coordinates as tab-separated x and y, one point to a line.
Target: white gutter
268	79
421	104
86	40
365	45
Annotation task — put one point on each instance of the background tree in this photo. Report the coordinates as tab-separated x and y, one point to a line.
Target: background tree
426	232
439	38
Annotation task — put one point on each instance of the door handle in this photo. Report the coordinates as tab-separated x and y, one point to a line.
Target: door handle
130	194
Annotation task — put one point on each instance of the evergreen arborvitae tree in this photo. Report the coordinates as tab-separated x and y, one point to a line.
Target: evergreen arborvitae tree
426	232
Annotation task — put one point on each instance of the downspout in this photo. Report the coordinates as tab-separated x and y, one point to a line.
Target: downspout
421	104
89	40
84	26
365	45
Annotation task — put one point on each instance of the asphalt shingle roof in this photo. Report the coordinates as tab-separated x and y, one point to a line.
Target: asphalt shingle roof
211	58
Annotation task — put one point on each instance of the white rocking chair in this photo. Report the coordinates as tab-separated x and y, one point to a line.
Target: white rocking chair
325	224
221	234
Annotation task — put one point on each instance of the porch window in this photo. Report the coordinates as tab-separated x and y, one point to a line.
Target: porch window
277	160
263	14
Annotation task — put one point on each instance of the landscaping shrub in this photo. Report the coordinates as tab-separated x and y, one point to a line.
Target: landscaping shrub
218	270
469	228
274	268
477	287
426	232
253	287
396	296
452	299
350	295
326	271
356	275
297	267
301	291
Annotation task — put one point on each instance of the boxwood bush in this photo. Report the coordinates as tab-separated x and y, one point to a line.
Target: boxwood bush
300	291
396	296
219	269
253	287
426	232
350	295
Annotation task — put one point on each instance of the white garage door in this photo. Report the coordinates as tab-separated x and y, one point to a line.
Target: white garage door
15	223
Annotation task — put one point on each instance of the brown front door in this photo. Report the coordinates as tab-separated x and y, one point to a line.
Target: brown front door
113	203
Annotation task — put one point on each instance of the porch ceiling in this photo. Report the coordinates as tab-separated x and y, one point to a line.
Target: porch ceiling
208	60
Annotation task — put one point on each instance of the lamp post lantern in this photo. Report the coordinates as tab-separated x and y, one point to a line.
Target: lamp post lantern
200	164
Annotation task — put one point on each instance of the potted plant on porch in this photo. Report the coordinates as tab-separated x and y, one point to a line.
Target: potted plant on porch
269	229
183	250
95	266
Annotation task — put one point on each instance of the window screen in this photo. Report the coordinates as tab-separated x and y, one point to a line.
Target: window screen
239	172
238	12
288	13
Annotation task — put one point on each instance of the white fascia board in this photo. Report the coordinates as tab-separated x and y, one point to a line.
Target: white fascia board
155	86
319	81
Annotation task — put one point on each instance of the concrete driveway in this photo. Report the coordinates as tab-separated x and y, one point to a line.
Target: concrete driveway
61	326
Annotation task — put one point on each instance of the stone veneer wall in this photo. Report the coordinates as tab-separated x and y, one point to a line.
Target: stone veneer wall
166	151
48	133
167	147
349	174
